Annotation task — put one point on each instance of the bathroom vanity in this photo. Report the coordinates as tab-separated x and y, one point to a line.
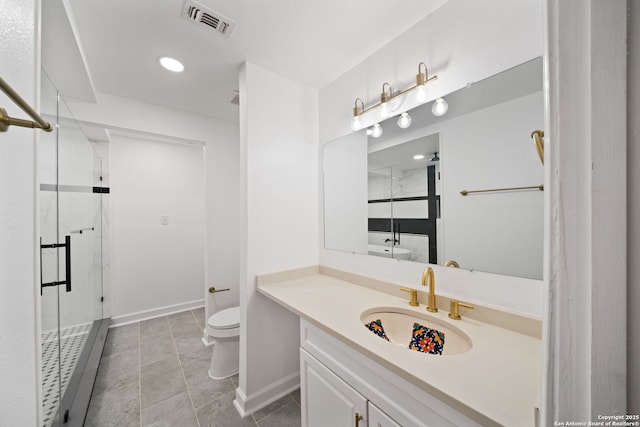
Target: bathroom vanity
352	377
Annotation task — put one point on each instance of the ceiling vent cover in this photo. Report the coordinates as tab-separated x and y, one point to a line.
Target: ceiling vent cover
204	17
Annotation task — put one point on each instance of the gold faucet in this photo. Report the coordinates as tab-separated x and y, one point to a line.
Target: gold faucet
451	263
428	278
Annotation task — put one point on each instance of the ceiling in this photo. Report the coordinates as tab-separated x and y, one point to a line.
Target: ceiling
312	43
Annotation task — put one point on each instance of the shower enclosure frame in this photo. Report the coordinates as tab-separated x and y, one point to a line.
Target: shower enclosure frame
73	325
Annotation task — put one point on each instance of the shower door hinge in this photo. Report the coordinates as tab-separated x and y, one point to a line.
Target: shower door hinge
101	299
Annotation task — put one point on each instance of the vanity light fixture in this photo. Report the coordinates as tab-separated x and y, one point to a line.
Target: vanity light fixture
434	158
418	157
355	124
440	107
385	97
422	78
404	121
388	96
171	64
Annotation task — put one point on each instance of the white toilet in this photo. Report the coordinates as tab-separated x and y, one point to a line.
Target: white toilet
224	328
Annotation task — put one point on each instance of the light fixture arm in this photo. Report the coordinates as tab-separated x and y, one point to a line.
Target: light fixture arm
384	96
357	112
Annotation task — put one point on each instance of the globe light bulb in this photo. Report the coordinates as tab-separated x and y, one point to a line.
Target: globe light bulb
404	121
376	131
355	124
384	110
421	94
440	107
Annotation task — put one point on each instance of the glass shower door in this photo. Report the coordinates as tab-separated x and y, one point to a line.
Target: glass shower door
71	229
49	257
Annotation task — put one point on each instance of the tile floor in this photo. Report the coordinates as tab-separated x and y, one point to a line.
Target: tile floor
154	373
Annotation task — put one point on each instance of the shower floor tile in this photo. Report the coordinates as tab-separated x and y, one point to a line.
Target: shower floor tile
56	375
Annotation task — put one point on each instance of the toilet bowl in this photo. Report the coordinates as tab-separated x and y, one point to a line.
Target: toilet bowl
224	328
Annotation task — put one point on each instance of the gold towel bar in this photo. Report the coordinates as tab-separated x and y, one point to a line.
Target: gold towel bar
532	187
6	121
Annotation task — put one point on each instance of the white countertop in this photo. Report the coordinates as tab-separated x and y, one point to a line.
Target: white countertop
497	379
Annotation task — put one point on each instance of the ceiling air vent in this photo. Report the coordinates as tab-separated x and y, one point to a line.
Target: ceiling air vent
198	14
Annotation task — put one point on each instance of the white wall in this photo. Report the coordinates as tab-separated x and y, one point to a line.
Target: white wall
223	217
222	177
156	265
491	148
462	41
633	198
19	322
459	49
345	202
586	211
279	205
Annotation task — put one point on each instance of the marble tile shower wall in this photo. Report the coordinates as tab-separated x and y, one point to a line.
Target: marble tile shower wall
154	373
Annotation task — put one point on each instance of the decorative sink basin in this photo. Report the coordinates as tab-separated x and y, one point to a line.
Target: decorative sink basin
398	325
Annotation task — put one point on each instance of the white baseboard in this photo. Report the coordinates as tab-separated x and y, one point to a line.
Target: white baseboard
247	405
126	319
207	339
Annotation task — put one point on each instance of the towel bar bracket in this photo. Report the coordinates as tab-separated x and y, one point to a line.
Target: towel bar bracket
6	121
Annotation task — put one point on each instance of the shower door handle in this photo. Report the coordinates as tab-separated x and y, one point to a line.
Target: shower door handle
67	262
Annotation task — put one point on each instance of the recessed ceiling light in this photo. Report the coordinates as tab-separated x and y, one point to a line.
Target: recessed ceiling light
171	64
418	157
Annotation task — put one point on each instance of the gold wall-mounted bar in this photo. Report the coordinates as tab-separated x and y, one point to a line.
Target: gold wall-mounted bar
531	187
6	121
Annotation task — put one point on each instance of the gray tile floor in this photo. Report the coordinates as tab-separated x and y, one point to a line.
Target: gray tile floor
154	373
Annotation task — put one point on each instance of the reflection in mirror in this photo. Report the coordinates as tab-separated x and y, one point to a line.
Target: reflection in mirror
382	198
403	200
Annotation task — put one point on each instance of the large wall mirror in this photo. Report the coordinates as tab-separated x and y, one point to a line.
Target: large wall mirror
398	194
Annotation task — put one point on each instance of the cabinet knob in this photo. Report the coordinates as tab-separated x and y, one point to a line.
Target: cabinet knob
358	419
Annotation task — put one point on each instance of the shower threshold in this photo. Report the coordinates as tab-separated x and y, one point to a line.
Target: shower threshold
77	395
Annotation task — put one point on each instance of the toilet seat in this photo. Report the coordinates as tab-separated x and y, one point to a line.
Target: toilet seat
228	318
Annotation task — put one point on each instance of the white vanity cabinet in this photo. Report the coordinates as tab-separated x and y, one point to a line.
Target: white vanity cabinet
377	418
339	385
328	401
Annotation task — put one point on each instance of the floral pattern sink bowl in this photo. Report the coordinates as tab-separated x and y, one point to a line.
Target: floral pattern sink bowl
416	331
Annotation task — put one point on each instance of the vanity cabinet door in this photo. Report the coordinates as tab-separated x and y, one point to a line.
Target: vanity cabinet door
326	399
377	418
